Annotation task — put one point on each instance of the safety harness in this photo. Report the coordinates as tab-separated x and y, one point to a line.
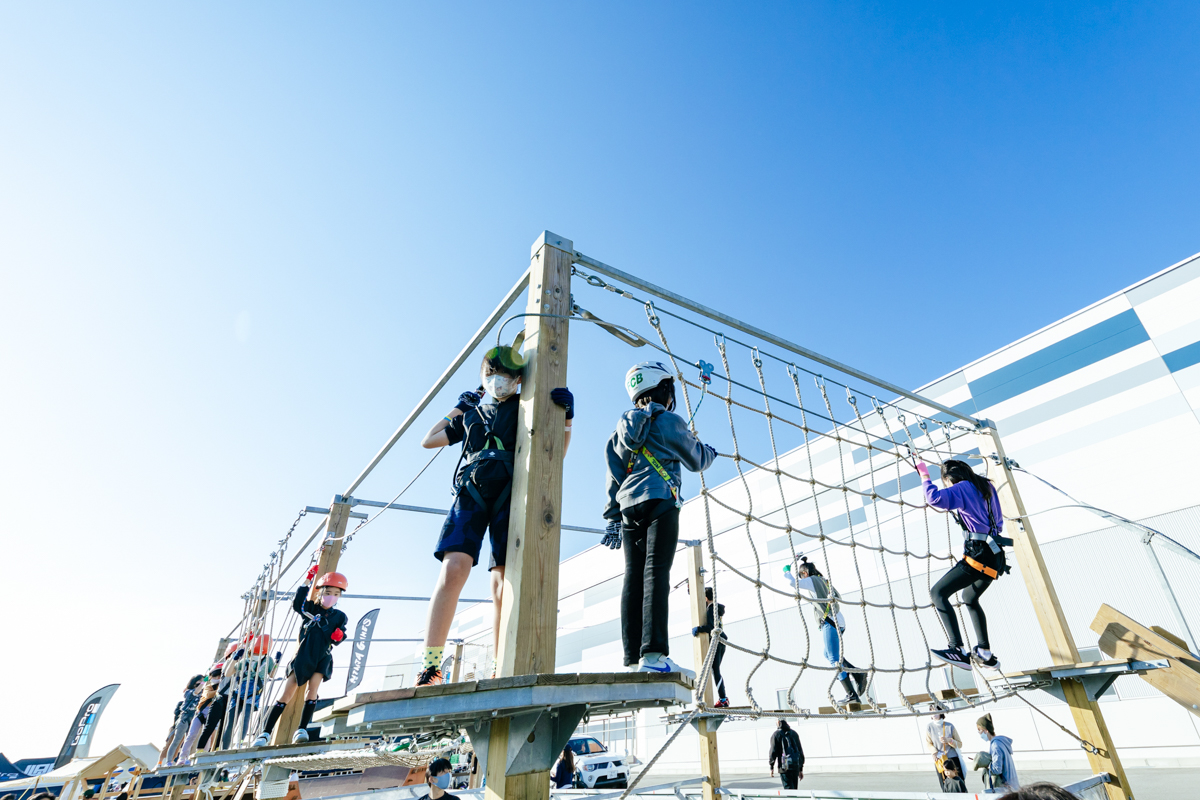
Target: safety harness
657	465
991	537
493	451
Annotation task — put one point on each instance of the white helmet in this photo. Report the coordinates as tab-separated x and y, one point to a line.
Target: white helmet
643	377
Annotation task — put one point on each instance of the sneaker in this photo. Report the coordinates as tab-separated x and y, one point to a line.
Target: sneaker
263	740
722	703
991	662
300	736
954	656
431	676
665	665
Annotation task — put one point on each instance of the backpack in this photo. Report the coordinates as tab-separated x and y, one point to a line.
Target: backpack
787	761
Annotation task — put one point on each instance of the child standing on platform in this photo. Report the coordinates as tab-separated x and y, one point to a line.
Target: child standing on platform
324	626
713	612
482	493
644	455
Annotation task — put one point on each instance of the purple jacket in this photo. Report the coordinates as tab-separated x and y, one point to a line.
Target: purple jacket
966	500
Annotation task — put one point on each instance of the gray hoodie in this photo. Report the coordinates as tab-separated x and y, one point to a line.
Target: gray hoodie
667	437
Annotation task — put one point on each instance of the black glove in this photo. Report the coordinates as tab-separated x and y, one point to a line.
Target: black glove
563	397
278	656
241	651
467	401
612	535
711	449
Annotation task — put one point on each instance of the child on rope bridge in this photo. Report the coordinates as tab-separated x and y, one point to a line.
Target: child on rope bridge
644	455
482	493
707	627
830	622
323	627
976	507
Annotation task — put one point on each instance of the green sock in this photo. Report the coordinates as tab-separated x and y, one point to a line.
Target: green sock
433	656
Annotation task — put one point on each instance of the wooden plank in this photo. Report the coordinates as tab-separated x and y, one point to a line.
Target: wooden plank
1123	637
511	682
331	552
710	760
529	611
456	673
853	708
465	687
1089	720
564	679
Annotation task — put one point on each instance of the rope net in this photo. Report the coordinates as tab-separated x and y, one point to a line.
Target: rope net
818	467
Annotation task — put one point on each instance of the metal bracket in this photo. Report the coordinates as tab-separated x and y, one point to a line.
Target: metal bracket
715	721
1096	679
535	740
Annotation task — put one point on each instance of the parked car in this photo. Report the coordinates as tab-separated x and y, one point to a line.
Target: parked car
595	767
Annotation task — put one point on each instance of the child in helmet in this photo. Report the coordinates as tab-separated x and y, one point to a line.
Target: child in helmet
323	627
644	457
976	507
812	585
482	493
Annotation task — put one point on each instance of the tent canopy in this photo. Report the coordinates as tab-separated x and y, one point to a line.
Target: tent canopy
138	755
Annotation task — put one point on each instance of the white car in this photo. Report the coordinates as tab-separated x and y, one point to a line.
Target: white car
595	767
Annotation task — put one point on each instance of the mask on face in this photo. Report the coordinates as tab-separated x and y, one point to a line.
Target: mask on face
442	781
499	386
983	735
329	600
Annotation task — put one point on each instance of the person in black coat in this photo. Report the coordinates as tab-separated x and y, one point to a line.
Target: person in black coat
707	627
788	754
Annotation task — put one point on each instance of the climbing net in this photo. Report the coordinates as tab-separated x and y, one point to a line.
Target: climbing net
836	482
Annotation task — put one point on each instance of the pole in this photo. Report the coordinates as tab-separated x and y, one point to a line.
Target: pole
529	600
710	765
1089	720
1176	611
456	673
331	552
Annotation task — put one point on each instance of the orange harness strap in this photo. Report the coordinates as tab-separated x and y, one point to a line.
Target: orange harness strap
991	573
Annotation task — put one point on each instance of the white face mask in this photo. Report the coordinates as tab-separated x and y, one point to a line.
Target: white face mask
499	386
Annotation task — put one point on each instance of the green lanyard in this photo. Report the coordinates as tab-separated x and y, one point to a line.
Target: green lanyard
666	476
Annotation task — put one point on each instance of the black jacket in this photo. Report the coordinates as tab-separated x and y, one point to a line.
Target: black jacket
708	626
793	745
319	623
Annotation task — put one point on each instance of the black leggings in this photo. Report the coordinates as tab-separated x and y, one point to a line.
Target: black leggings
719	681
972	583
650	532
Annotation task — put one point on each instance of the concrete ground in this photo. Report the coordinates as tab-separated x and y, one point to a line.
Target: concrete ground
1149	783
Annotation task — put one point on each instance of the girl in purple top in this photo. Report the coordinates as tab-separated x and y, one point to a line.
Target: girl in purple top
976	507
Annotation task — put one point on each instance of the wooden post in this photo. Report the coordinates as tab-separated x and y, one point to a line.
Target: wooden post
335	530
710	765
104	786
529	613
1089	721
456	672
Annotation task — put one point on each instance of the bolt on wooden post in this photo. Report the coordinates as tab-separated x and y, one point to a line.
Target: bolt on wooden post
529	610
331	552
1089	720
710	765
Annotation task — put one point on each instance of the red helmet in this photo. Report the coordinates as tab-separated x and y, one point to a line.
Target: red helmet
261	645
231	649
333	579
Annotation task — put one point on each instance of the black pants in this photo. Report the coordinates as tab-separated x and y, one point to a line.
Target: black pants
650	532
216	715
718	680
972	583
790	778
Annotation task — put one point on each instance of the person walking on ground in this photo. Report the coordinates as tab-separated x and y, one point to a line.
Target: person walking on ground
564	770
707	627
645	457
1001	775
438	775
482	494
943	739
830	622
788	754
976	507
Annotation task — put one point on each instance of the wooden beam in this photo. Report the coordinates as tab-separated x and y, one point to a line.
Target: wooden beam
331	553
1122	637
529	611
456	673
710	764
1089	720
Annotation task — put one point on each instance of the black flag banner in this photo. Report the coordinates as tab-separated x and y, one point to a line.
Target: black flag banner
362	646
79	738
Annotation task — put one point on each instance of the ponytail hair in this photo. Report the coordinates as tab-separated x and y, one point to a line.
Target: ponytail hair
809	567
957	471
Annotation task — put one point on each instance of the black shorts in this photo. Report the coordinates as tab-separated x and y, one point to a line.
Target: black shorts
305	665
465	526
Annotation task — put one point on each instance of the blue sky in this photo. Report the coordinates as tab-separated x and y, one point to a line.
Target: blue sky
238	243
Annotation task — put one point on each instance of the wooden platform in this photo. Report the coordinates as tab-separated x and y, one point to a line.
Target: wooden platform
939	695
434	708
1122	637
